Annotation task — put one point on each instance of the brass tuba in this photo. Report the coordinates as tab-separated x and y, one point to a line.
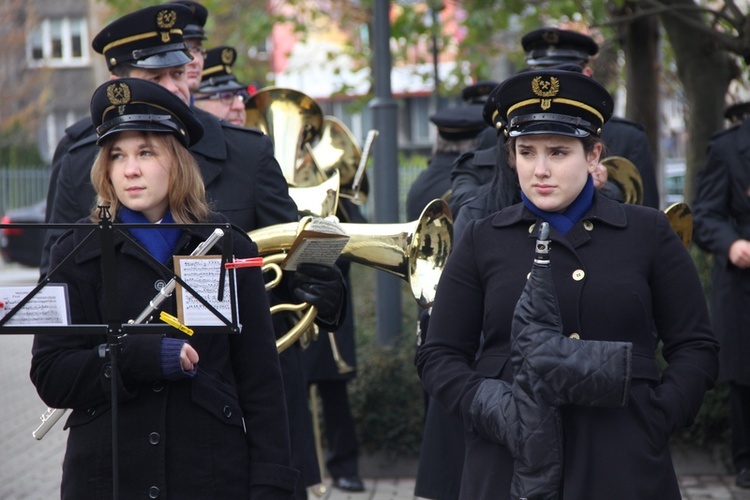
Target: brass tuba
624	174
292	120
414	251
337	149
681	220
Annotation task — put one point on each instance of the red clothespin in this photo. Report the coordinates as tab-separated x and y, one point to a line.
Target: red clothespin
238	263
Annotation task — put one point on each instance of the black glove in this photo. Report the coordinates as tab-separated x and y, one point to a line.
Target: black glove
321	286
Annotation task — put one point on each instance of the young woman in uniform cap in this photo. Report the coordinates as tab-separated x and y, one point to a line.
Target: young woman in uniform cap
620	274
200	416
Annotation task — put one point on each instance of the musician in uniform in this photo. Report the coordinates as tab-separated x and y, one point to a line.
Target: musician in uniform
457	131
721	213
201	416
331	379
483	175
617	271
219	92
242	178
194	35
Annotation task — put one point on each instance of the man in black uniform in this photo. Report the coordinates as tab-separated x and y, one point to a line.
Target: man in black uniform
243	180
721	213
219	92
457	131
559	49
194	35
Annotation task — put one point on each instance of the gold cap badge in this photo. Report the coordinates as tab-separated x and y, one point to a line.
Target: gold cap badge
119	95
546	89
227	56
165	19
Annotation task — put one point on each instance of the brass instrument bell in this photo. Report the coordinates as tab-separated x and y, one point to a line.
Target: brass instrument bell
293	121
624	174
337	149
681	219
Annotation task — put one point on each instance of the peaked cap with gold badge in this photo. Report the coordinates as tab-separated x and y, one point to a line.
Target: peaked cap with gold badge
549	102
194	28
546	47
134	104
217	73
150	38
477	93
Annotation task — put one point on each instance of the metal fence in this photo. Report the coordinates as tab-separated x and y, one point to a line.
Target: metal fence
20	187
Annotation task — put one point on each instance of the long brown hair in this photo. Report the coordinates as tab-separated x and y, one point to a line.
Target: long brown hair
187	194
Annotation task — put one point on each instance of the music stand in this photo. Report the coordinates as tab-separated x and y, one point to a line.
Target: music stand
112	328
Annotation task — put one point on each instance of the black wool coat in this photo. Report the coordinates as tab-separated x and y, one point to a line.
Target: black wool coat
721	213
620	274
433	182
221	434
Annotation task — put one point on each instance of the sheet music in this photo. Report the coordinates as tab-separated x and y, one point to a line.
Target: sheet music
49	307
202	274
321	242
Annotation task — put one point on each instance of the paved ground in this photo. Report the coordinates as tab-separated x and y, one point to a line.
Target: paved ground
30	469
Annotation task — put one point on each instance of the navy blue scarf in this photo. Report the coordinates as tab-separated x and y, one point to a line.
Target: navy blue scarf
161	242
565	221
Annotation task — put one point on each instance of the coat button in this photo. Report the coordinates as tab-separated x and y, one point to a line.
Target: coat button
157	386
227	411
578	274
107	371
575	336
588	225
91	412
531	228
154	438
153	492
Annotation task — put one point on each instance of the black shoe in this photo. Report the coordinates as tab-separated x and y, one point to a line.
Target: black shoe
353	483
743	478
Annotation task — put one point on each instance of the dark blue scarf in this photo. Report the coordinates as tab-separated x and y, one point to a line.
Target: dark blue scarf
161	242
563	222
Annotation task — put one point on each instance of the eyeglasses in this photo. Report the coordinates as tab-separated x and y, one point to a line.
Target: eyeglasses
197	50
227	97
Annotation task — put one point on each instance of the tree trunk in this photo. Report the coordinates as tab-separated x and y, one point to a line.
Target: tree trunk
705	72
642	69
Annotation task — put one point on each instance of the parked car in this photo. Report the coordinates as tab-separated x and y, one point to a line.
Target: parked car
20	244
674	181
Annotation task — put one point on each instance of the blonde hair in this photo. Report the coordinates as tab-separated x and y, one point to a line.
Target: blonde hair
187	194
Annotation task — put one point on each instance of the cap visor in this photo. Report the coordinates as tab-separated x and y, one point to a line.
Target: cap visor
165	60
141	127
232	85
554	128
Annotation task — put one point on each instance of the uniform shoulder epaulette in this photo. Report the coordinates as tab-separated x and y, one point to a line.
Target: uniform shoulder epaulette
625	121
245	129
466	155
486	157
86	141
723	132
79	129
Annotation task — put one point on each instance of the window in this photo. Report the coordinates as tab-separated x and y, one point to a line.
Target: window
54	129
59	43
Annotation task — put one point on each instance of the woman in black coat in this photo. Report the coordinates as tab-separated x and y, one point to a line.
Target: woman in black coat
200	416
620	274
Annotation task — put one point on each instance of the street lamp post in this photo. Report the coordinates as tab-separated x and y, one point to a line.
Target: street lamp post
385	156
